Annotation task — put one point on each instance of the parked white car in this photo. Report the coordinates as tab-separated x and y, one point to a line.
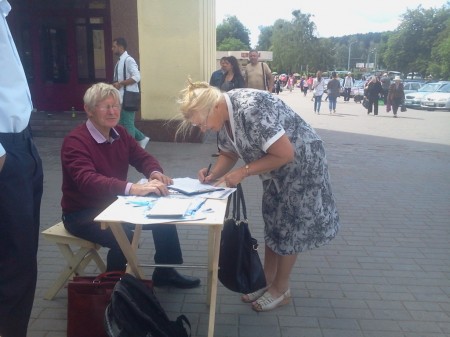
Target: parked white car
410	87
413	99
440	99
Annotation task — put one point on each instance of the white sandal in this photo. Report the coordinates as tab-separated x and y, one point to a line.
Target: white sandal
252	297
266	302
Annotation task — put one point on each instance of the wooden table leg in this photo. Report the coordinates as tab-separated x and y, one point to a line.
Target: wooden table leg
214	234
127	249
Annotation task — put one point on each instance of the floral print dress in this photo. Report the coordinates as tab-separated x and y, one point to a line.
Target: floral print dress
298	206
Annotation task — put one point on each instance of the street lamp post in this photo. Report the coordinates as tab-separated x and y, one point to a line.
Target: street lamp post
349	53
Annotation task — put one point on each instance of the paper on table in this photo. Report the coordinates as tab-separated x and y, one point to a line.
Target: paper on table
192	186
127	211
169	208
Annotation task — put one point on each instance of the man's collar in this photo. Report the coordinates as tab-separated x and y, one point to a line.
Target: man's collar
97	135
123	55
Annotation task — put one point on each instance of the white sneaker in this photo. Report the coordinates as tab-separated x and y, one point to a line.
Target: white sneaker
143	142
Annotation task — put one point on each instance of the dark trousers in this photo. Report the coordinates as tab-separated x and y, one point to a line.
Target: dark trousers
21	186
165	237
347	92
373	102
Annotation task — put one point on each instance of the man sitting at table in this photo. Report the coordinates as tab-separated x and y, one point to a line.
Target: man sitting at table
95	158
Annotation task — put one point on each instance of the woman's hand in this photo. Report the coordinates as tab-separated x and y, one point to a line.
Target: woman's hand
153	186
233	178
204	176
161	177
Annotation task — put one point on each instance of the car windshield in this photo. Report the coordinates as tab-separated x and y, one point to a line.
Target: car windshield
445	88
430	87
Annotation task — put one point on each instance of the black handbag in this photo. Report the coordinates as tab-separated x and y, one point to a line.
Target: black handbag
240	267
131	100
365	103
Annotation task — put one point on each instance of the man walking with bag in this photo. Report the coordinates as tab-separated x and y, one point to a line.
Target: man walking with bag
126	78
258	74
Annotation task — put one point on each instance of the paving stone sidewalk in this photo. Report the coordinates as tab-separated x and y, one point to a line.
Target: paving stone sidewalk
386	274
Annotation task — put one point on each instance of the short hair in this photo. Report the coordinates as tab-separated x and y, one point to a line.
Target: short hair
333	74
98	92
253	51
120	41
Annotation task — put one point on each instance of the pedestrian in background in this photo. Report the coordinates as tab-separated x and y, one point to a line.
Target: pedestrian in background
21	187
396	95
258	74
318	87
217	76
385	84
333	89
373	92
348	84
232	78
127	77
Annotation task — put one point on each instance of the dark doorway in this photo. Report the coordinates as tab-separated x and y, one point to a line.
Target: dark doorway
64	46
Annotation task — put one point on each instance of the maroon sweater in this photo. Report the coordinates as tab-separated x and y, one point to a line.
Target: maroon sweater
94	174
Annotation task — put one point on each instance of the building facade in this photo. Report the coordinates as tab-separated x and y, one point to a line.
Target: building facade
65	47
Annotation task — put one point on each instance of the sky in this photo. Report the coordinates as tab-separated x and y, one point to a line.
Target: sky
332	18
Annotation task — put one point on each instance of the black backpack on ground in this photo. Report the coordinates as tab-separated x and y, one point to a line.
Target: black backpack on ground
135	311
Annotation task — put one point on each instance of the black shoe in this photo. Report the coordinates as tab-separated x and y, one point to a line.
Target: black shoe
170	277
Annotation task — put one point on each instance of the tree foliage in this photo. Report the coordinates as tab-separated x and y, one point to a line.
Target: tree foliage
421	43
231	27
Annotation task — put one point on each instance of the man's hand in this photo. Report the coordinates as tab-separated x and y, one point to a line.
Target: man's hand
161	177
153	186
2	161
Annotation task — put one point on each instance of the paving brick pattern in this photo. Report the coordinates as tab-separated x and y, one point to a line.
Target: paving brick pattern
386	274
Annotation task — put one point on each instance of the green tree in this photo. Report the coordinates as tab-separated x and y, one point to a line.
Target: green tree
294	44
230	43
410	45
231	27
265	38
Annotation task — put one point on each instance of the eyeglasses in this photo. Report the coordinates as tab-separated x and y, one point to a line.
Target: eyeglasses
104	108
205	124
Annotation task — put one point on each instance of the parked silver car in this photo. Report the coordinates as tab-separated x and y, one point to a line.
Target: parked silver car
440	99
413	100
410	87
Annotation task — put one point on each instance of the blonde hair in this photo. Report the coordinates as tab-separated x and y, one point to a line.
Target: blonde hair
98	92
198	98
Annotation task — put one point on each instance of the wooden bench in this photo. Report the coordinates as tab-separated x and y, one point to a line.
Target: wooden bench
77	260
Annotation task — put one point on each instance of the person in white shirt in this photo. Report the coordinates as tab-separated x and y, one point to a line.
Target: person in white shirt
21	186
348	84
318	89
127	78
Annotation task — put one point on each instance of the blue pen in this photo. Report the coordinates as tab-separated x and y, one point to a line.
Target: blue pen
196	208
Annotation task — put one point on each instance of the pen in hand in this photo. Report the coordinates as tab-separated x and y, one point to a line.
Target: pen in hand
207	172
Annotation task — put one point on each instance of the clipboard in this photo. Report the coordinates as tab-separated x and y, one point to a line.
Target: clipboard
189	186
200	191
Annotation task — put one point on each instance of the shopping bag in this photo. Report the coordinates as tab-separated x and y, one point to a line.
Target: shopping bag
131	101
365	103
240	268
88	297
